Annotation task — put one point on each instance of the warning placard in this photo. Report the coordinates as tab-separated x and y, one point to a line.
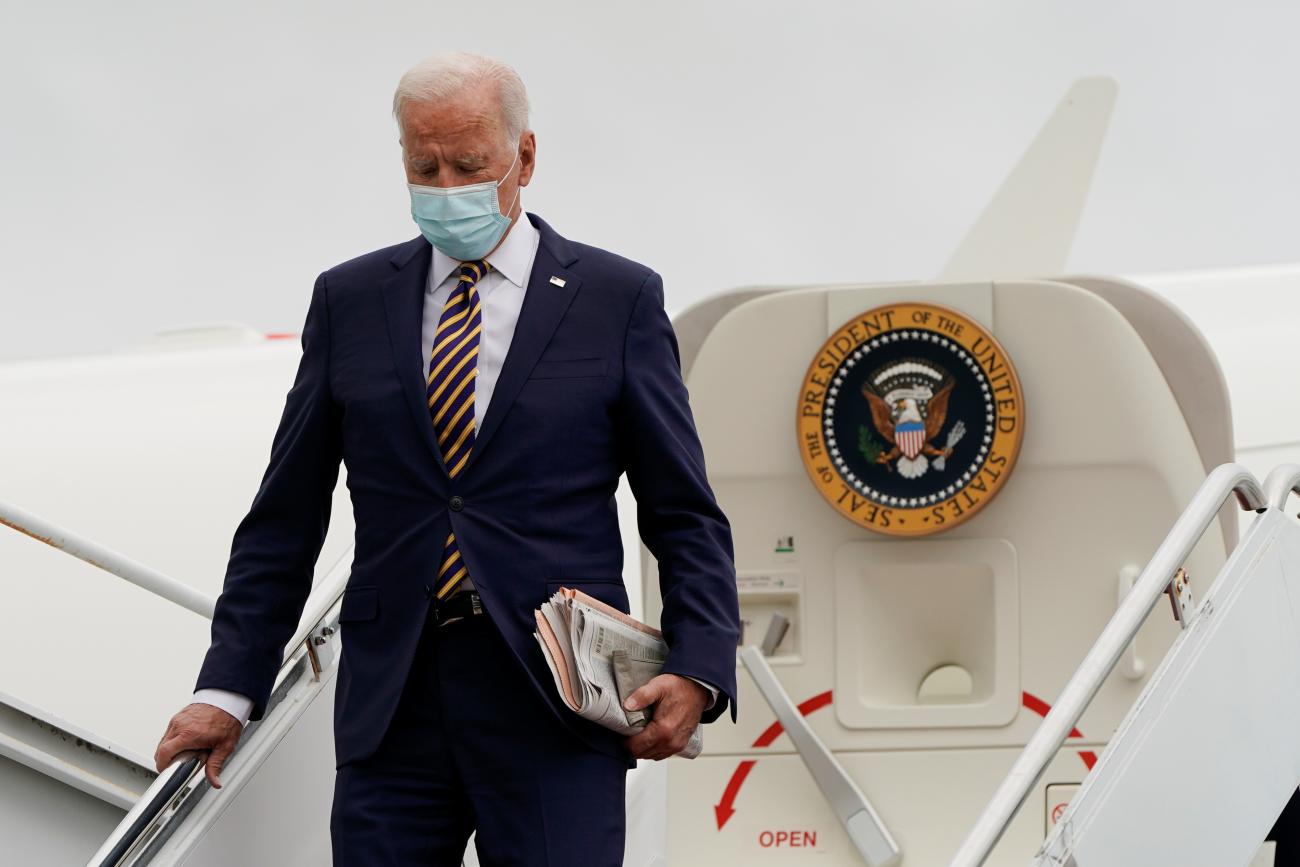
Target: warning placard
1058	798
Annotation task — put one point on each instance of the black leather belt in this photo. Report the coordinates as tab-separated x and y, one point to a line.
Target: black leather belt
467	603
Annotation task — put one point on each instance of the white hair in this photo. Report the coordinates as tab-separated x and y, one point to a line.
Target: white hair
445	75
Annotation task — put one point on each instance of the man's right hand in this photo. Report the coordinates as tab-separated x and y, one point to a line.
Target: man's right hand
202	728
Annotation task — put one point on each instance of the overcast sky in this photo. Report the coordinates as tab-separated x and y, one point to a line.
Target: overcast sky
165	164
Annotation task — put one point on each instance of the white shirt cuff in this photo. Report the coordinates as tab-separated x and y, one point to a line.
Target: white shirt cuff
237	705
713	691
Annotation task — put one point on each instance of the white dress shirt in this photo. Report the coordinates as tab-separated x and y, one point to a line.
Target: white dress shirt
501	293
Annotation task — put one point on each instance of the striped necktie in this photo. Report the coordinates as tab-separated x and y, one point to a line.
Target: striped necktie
453	366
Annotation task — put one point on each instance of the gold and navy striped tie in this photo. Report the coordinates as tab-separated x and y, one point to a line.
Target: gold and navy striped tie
453	367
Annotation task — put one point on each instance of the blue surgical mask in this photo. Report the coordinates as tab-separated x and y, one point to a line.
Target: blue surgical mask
463	222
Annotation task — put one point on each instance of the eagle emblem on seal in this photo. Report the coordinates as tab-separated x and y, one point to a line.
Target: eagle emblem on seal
910	418
909	405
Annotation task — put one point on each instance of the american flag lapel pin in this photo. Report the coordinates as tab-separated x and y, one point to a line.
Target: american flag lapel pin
557	281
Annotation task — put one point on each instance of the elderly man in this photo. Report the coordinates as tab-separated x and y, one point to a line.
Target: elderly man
487	384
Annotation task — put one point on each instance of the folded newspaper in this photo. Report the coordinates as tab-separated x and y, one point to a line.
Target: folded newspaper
598	656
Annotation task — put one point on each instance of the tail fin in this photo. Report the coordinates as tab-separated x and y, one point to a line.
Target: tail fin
1029	227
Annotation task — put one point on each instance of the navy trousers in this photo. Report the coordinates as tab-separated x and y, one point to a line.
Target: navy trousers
1286	835
472	747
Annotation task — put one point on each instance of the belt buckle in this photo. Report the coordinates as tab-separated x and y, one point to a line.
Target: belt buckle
475	603
439	617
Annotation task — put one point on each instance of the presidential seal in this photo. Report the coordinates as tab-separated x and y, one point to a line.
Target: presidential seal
910	419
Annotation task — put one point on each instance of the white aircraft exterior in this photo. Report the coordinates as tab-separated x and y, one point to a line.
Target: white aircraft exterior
155	451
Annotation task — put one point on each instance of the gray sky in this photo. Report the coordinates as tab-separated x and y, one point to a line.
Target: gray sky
164	164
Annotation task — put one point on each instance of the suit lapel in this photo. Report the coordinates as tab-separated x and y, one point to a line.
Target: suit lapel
403	295
545	303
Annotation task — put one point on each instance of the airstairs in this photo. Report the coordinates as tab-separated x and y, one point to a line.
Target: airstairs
1208	755
280	776
837	760
1194	775
274	802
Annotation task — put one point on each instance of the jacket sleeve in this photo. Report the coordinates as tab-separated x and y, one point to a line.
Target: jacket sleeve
677	514
274	550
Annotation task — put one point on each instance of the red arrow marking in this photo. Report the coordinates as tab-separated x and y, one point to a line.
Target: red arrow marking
1042	708
775	730
724	809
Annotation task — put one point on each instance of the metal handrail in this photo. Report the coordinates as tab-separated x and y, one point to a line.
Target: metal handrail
319	602
142	816
1227	479
847	801
135	827
1280	483
107	559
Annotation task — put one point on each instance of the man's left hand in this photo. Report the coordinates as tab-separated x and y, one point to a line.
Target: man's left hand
678	704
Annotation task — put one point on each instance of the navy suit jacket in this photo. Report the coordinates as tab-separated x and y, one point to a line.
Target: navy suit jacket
591	388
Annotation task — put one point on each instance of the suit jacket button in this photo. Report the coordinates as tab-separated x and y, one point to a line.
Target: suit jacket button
457	503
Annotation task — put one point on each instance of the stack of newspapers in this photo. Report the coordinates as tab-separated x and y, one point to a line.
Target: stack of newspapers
598	656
